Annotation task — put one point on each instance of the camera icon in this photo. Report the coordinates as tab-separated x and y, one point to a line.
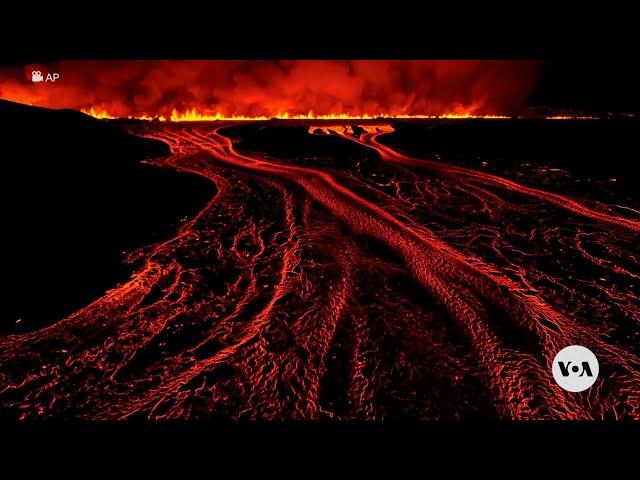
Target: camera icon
36	76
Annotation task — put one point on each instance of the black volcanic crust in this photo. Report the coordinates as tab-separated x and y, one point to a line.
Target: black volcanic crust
73	197
62	127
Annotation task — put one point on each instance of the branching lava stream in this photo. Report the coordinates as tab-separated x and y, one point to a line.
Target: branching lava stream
389	287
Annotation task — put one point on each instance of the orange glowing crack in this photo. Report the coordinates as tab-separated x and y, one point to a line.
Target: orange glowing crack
195	115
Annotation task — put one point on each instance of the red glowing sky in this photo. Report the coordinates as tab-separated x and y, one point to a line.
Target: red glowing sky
269	88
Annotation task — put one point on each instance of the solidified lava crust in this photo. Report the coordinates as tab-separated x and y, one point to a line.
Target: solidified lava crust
384	287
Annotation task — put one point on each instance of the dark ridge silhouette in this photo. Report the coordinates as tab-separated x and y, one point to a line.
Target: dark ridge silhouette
74	195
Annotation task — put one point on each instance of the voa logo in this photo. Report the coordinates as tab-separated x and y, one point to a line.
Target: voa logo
575	368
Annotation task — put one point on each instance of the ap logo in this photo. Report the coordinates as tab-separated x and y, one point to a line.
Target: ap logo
575	368
38	77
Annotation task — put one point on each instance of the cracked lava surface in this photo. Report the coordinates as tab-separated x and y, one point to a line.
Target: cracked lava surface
383	287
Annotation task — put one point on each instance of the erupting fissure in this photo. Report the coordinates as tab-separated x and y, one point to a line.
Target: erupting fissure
195	115
287	89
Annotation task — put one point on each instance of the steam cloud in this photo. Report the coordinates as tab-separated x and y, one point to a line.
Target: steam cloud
257	88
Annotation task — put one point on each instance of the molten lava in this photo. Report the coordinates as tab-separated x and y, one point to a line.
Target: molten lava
332	276
194	115
373	286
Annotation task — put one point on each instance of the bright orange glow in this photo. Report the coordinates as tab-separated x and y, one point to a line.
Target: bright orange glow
349	129
197	90
191	91
97	113
571	117
194	115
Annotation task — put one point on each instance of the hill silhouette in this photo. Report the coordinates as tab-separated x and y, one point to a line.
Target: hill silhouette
73	196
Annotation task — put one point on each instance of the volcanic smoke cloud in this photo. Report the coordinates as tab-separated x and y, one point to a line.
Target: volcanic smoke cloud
270	88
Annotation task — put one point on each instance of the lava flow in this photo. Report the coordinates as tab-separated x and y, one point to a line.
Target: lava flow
371	286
